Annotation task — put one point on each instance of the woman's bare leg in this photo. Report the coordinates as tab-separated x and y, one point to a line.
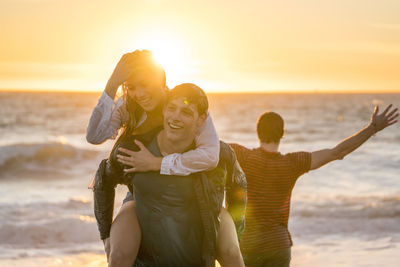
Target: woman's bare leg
228	249
125	237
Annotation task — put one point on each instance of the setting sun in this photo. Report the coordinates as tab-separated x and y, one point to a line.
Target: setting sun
169	50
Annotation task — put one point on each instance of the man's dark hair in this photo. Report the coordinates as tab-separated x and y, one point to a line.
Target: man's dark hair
270	127
193	94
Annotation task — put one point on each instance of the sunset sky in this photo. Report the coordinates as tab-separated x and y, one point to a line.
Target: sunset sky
228	46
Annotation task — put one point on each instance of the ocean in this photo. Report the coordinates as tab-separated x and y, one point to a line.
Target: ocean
345	214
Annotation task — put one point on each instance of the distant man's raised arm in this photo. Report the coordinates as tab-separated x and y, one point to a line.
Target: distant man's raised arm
345	147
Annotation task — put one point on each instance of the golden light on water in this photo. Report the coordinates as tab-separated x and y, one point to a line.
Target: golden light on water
87	218
62	140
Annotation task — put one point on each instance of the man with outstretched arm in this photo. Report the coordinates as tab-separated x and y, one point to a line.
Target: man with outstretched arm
271	177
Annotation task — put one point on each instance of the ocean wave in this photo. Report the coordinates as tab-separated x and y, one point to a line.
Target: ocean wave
75	229
31	156
42	211
368	216
44	224
348	207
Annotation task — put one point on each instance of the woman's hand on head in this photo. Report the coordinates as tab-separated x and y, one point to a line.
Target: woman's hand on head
123	70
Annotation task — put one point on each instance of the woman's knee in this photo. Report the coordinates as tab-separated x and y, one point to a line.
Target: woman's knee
228	246
125	236
230	252
120	257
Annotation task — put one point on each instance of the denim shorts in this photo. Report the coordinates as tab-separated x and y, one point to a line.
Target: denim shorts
128	197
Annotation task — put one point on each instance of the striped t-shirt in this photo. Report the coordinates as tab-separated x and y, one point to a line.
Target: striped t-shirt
271	177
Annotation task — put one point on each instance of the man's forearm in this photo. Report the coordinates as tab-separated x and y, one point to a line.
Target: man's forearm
378	123
351	143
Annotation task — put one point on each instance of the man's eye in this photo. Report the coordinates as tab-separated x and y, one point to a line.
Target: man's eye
187	112
170	108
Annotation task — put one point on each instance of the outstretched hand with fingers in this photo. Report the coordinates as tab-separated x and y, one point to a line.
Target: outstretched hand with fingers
385	119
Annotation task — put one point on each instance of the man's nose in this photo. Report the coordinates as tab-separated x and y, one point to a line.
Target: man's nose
176	115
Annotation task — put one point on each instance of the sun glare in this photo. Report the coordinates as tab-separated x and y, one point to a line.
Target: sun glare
169	51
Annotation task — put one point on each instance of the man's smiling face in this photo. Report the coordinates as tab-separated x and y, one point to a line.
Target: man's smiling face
181	119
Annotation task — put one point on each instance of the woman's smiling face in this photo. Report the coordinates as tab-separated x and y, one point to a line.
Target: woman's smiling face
148	96
146	85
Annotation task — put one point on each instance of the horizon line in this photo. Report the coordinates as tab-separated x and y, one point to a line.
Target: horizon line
288	91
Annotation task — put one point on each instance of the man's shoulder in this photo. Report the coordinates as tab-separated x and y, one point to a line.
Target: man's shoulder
226	153
238	147
224	146
297	154
300	160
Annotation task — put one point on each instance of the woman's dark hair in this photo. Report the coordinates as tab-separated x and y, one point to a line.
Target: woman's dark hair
135	112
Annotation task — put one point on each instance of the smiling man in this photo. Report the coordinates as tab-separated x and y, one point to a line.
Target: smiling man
166	206
178	215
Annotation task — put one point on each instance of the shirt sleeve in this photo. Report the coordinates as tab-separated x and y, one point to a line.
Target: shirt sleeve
107	118
301	162
204	157
240	151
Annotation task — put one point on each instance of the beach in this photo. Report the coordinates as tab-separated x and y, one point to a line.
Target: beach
345	214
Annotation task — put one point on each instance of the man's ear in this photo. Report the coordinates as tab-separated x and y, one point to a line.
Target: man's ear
201	120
